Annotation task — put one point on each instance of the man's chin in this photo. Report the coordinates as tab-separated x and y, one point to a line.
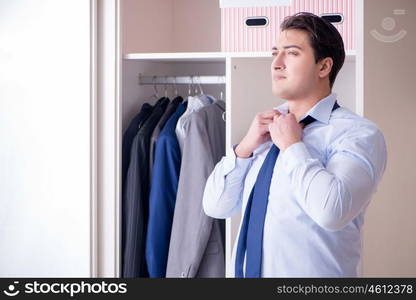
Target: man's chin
280	93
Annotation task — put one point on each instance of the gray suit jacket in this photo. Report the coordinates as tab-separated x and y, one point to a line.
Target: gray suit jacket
197	241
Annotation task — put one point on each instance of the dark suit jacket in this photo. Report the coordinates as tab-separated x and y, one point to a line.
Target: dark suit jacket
137	192
128	136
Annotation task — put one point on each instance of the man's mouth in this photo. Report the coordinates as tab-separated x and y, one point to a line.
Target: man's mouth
279	77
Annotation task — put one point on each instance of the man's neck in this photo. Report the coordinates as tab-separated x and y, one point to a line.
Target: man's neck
299	107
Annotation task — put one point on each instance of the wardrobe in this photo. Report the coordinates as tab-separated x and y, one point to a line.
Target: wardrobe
156	58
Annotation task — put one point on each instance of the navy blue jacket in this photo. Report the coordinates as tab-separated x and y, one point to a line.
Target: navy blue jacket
165	178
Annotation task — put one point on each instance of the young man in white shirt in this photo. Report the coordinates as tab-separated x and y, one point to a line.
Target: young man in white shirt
324	175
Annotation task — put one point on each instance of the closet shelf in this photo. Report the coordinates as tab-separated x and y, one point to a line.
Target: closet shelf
193	56
205	56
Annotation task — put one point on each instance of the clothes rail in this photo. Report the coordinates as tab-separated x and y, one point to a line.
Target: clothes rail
194	79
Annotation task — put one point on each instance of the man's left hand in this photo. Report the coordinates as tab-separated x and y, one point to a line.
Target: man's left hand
285	131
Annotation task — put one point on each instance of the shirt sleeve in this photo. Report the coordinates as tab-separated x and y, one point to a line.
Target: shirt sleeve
335	193
224	187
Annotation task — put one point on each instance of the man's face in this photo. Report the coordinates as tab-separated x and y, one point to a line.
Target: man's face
294	71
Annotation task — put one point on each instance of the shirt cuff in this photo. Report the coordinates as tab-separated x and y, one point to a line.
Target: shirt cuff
232	162
295	155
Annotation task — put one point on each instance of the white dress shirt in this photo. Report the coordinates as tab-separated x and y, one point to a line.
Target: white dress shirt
319	193
194	104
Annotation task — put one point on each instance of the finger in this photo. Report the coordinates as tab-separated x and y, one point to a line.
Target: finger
277	113
266	136
269	113
291	116
266	121
264	128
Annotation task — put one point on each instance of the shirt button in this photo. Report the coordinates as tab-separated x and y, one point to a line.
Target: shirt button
183	274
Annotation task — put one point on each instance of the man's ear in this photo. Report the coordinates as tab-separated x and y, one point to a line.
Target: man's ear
325	66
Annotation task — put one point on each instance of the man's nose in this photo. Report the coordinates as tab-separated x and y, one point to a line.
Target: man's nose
278	63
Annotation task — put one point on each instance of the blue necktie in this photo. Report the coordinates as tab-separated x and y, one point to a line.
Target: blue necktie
251	233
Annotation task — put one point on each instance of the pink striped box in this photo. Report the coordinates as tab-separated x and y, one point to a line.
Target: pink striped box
236	36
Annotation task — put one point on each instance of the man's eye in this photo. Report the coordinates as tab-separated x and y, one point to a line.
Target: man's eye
293	53
274	53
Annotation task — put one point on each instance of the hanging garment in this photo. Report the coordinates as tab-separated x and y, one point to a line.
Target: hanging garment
162	198
137	192
128	137
194	104
197	241
170	110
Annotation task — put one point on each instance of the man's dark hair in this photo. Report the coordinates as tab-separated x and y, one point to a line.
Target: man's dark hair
323	36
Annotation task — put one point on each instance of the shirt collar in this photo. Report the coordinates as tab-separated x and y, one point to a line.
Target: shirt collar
321	111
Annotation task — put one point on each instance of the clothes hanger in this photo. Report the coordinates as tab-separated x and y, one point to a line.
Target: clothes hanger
175	91
211	98
166	87
201	92
200	87
175	86
155	95
193	85
196	87
221	99
189	89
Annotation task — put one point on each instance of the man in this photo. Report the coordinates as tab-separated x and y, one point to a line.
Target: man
304	173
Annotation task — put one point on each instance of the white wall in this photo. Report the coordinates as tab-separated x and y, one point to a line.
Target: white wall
170	26
389	100
147	25
197	26
44	138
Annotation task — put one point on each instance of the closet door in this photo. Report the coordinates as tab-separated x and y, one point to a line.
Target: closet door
46	107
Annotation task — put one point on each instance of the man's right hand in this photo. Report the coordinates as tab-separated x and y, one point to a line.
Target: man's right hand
257	134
